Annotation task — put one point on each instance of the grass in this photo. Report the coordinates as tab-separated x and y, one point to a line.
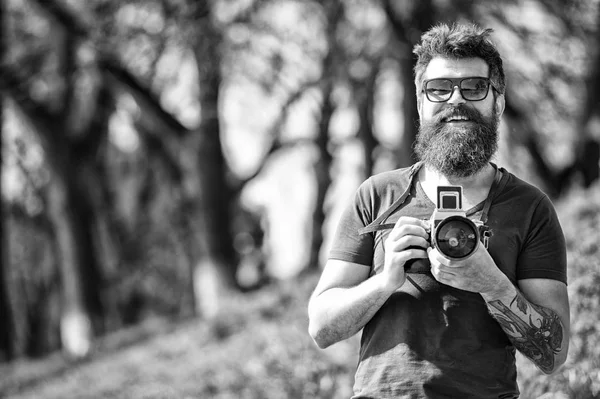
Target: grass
259	348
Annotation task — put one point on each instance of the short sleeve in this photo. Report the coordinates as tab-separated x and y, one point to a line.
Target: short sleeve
348	245
544	253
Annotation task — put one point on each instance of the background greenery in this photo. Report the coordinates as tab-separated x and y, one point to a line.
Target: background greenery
172	171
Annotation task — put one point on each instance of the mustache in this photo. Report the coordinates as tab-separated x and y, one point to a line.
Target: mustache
459	110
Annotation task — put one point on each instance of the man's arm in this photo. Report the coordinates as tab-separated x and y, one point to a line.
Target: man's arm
535	318
344	301
346	298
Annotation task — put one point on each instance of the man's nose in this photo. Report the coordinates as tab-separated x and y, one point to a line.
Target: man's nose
456	97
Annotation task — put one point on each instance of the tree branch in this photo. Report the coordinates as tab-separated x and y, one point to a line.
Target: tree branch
157	147
117	71
274	132
144	97
97	129
39	115
64	17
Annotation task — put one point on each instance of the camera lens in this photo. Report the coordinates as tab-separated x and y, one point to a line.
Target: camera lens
456	237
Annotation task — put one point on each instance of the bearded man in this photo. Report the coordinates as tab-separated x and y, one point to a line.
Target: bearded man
433	325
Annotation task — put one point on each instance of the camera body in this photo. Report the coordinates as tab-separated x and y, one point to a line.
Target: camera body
452	232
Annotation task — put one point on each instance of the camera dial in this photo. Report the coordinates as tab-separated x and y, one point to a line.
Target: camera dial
456	237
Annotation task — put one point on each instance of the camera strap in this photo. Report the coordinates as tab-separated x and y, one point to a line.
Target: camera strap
376	224
499	182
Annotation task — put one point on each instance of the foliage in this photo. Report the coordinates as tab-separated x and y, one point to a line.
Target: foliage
260	348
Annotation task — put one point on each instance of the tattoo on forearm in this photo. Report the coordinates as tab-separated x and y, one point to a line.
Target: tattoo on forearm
540	338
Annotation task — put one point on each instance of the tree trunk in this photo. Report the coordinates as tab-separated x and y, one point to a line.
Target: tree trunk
75	323
74	221
7	332
365	101
407	31
215	268
587	149
321	167
70	213
409	112
101	232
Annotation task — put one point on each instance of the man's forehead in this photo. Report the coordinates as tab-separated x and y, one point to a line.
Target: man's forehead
456	67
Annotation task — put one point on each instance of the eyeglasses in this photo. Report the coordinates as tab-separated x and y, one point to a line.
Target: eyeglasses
471	89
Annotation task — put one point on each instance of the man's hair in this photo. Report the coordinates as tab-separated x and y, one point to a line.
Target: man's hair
459	41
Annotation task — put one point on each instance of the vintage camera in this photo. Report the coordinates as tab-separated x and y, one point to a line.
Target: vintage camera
452	233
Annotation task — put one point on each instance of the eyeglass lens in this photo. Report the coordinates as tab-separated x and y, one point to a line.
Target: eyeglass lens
472	89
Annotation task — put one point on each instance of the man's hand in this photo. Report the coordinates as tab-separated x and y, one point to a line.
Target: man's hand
535	321
478	273
409	239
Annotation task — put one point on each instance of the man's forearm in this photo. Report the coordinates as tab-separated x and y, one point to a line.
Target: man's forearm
536	331
339	313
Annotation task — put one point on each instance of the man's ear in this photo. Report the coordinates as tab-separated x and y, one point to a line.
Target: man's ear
419	93
500	104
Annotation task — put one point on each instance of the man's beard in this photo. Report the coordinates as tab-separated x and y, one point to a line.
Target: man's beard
458	151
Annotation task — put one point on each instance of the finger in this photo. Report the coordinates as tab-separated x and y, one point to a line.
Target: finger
415	253
410	220
442	272
442	276
409	226
408	254
407	242
400	258
436	257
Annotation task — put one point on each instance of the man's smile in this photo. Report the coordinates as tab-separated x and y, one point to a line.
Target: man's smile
456	118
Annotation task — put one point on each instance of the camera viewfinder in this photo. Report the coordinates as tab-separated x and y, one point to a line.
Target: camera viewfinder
449	198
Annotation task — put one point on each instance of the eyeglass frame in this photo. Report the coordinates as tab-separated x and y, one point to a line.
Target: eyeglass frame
454	85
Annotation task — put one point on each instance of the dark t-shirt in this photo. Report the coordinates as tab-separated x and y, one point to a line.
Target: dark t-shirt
430	340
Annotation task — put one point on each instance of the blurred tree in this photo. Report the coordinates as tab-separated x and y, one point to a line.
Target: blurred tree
587	144
551	107
35	283
333	11
365	90
212	196
70	135
7	331
408	21
366	46
201	170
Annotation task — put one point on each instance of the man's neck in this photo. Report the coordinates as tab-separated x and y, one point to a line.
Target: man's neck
475	187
